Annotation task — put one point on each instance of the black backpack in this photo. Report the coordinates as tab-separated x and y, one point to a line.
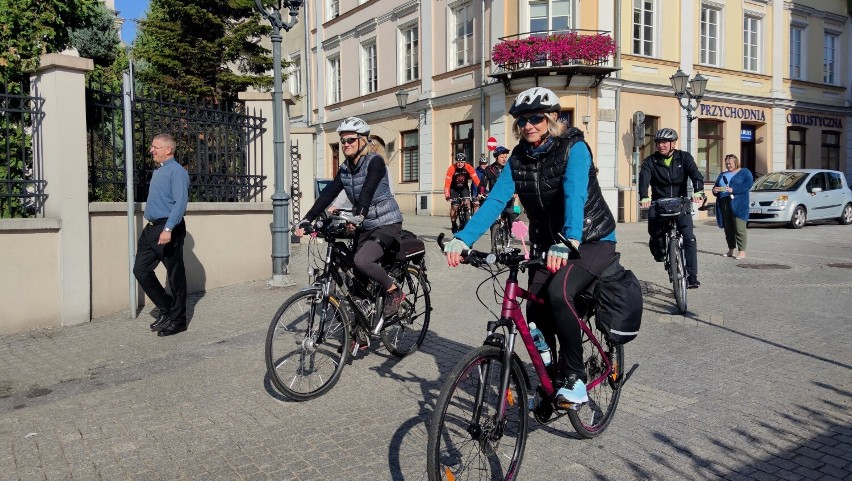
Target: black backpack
619	312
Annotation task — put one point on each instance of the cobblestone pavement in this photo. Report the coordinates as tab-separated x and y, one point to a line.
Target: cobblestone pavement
754	383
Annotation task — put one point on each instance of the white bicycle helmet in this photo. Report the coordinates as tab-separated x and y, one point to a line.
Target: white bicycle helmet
667	135
354	124
536	99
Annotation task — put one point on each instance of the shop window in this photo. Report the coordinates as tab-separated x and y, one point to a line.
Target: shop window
796	148
566	116
411	156
710	140
830	152
463	140
335	158
652	124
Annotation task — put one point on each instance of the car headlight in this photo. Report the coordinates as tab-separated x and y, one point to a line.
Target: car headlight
781	201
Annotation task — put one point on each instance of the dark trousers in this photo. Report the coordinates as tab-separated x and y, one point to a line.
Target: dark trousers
148	255
370	249
558	317
657	243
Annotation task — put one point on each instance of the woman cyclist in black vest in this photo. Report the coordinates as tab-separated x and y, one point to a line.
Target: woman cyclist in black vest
364	178
551	170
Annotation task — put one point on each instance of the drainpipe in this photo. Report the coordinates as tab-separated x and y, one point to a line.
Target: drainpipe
307	64
617	38
482	87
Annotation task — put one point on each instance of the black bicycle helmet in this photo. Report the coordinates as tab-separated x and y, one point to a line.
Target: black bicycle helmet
667	135
500	150
460	157
536	99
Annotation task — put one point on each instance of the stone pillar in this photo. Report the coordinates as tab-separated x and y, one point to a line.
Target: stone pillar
60	80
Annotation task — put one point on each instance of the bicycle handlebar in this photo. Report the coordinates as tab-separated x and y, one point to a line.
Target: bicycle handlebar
510	259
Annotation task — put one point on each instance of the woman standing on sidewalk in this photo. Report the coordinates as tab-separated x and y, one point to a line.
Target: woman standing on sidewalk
731	191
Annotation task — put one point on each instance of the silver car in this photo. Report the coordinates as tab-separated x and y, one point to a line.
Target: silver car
796	196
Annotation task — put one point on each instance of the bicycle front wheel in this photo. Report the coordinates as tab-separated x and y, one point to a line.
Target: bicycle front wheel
405	331
678	273
592	418
466	438
307	345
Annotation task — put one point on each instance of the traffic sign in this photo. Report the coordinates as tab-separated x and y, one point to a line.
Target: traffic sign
492	143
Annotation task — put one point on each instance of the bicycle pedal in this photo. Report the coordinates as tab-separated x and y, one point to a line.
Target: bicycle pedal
566	406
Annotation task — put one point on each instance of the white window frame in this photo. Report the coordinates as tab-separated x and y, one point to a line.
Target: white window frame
830	77
710	45
333	78
294	75
409	58
752	28
460	57
369	67
333	7
797	56
572	15
645	37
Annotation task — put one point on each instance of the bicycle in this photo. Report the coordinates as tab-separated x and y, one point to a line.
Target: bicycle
313	334
479	426
669	209
500	233
463	213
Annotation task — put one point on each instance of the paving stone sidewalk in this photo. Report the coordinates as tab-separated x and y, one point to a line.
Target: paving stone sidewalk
754	383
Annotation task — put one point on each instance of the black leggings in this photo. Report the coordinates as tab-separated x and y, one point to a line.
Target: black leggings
558	317
371	249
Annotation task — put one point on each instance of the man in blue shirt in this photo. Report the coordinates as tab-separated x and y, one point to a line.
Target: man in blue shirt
162	238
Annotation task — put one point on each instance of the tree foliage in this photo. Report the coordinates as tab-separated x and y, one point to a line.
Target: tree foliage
202	48
98	40
31	28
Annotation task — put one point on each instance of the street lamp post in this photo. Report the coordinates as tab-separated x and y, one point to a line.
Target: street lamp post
402	102
694	92
280	199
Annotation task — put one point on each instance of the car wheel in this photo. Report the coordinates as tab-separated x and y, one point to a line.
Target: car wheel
846	215
799	217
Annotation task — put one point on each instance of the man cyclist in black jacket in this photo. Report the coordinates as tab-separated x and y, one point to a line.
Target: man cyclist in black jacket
668	172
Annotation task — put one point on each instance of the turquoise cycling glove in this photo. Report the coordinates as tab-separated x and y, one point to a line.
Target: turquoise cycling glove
561	250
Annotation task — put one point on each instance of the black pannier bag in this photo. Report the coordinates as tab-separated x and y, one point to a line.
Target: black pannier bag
619	312
410	247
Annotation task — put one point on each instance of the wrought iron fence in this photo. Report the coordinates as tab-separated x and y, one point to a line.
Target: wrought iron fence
21	184
218	144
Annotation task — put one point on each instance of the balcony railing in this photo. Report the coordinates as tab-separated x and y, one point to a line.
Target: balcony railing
553	49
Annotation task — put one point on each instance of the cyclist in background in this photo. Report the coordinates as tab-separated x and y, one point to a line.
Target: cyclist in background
457	185
489	178
480	174
551	170
668	172
364	177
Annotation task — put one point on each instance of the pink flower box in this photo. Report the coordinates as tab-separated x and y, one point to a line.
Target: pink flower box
560	49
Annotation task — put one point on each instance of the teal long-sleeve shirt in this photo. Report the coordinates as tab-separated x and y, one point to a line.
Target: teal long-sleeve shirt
575	184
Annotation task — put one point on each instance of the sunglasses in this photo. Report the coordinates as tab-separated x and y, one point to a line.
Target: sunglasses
534	119
349	140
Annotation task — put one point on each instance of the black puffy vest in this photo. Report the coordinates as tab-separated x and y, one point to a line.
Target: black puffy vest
538	183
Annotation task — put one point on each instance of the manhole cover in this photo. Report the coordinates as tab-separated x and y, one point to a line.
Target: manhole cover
842	265
763	266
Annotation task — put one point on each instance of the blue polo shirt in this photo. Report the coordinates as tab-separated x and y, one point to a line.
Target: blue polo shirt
168	194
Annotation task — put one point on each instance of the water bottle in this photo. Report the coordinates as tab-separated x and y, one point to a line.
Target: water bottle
540	344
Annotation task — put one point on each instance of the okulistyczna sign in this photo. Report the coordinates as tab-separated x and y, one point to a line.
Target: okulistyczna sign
814	120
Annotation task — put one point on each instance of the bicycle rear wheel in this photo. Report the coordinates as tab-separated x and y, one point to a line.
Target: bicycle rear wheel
307	345
678	273
465	439
405	331
592	418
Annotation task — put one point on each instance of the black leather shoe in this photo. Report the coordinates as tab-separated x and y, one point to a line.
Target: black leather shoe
161	322
172	329
692	283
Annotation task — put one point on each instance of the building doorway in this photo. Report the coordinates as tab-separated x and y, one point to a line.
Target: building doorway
747	147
